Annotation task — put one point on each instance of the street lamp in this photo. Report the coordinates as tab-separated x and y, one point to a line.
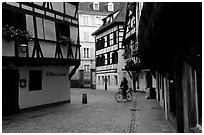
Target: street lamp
23	48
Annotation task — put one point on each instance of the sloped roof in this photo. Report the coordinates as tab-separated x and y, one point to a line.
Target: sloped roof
120	18
88	6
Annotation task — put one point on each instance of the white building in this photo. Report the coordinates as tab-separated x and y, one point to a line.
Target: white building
110	65
37	72
90	19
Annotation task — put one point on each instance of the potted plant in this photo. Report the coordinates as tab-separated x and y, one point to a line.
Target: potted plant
66	41
20	36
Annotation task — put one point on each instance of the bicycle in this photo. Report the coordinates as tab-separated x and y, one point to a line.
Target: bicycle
119	97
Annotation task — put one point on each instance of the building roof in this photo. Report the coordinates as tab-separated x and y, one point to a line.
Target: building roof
103	6
118	19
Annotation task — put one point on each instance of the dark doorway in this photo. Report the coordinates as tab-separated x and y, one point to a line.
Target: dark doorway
149	80
105	82
10	79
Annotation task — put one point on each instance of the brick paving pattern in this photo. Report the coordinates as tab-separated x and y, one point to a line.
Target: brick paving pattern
102	114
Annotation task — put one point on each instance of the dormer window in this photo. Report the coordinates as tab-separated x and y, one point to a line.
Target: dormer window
96	6
110	6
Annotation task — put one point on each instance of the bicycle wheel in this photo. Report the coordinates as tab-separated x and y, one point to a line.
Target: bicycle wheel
129	96
118	97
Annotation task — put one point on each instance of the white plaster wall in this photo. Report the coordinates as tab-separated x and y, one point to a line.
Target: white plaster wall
121	61
54	88
154	83
8	48
142	81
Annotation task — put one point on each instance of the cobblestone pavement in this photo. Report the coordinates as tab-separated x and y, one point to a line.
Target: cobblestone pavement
102	114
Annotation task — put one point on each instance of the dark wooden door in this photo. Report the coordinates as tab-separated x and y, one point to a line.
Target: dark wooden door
10	80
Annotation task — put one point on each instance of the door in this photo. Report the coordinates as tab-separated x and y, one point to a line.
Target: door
105	82
10	79
149	80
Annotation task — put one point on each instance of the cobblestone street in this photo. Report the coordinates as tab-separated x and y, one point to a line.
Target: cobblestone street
102	114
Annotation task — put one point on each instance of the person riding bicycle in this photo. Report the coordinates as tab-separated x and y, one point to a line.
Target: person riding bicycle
124	86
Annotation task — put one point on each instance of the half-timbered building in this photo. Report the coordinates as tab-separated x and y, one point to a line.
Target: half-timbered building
140	75
109	50
170	44
40	42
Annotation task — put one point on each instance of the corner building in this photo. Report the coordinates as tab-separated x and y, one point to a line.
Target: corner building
109	51
37	72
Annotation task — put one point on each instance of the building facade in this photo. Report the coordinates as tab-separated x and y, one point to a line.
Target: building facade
40	42
170	46
140	75
109	50
90	19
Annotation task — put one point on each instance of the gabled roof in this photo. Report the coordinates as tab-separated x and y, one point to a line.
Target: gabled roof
119	19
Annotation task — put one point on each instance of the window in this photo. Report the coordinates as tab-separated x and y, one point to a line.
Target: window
108	40
100	43
110	7
97	60
69	9
100	60
49	30
46	29
86	52
108	58
95	6
15	19
115	57
85	20
86	69
114	38
63	30
35	80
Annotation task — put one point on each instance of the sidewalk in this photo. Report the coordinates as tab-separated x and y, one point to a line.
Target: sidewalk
150	116
102	114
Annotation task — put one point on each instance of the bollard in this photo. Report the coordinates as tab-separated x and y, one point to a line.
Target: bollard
84	98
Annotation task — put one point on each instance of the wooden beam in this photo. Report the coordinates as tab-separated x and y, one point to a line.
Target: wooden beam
73	71
40	61
70	52
17	9
48	10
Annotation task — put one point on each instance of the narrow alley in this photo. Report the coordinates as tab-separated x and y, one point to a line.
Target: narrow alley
101	114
